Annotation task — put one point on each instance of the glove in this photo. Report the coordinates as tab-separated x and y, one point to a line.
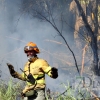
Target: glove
54	72
11	69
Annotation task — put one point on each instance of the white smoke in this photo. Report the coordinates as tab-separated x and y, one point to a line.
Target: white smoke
16	30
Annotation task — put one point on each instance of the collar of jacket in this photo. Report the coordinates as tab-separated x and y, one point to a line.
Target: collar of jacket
33	59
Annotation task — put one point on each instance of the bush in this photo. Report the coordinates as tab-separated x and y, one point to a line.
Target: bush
9	91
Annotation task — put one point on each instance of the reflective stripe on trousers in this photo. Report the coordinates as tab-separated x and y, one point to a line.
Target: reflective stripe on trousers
40	96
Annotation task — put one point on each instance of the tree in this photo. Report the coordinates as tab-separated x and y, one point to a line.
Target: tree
45	11
87	16
92	28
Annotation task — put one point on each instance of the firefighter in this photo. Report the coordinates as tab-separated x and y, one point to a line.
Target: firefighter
34	73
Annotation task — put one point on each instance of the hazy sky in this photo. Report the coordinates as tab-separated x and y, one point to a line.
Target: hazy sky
16	29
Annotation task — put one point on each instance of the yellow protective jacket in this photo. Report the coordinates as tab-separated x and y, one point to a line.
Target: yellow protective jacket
38	68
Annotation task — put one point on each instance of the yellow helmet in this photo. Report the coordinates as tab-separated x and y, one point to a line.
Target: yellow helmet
31	46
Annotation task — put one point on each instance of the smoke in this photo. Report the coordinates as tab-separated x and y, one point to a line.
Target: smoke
17	29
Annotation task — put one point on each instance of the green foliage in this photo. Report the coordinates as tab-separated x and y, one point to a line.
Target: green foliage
9	91
12	90
73	93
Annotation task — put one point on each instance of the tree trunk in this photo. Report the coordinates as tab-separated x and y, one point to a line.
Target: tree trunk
93	36
95	50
